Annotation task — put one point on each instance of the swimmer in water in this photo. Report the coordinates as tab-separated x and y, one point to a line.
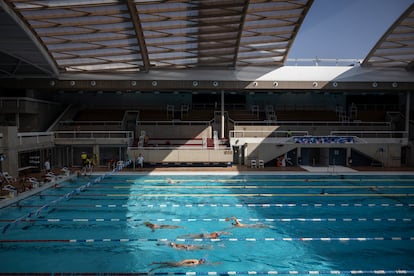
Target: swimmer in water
213	235
188	246
186	262
237	223
160	226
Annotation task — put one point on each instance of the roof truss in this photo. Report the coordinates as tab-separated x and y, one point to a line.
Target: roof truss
132	35
396	46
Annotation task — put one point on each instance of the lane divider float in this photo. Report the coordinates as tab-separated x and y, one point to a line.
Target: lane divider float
248	239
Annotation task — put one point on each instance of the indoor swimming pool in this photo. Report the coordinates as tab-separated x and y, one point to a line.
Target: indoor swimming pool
290	224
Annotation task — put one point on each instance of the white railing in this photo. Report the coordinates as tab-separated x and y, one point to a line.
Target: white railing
371	134
93	134
265	134
175	122
31	138
80	124
313	123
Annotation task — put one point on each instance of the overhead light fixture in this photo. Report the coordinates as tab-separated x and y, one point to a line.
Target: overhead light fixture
215	83
374	84
133	83
195	83
154	83
93	83
394	84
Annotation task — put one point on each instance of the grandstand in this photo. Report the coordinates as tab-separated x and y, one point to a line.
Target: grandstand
191	83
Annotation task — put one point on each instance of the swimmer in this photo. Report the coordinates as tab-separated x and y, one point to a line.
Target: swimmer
323	192
188	246
186	262
171	181
374	188
160	226
213	235
237	223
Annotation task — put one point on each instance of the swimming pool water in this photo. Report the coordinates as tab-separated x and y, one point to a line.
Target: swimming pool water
311	223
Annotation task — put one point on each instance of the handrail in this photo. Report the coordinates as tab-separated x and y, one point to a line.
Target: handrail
265	134
90	122
93	134
27	99
371	134
313	123
175	122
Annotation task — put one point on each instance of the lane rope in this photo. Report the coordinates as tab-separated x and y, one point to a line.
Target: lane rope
278	180
249	272
127	196
247	239
220	205
249	187
219	219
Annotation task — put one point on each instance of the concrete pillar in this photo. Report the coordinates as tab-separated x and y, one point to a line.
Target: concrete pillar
407	113
348	156
10	150
95	152
222	115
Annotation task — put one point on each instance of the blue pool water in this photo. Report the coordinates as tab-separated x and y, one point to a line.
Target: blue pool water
326	224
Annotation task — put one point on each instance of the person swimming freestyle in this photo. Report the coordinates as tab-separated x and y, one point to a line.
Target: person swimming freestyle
237	223
153	226
186	263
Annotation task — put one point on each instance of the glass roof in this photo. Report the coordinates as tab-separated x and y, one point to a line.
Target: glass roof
396	47
136	35
142	35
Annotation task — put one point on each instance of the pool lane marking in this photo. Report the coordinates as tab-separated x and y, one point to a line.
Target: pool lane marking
254	195
269	272
257	187
80	196
247	239
219	205
220	220
270	180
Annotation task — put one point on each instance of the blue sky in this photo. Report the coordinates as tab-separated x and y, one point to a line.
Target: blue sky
345	29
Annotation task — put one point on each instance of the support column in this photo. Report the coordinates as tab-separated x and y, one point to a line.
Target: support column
222	114
348	157
10	143
407	113
299	156
95	155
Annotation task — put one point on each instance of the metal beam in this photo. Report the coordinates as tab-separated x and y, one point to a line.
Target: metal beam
239	35
139	33
31	34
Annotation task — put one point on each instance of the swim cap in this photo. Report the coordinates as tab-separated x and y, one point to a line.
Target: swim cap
202	261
